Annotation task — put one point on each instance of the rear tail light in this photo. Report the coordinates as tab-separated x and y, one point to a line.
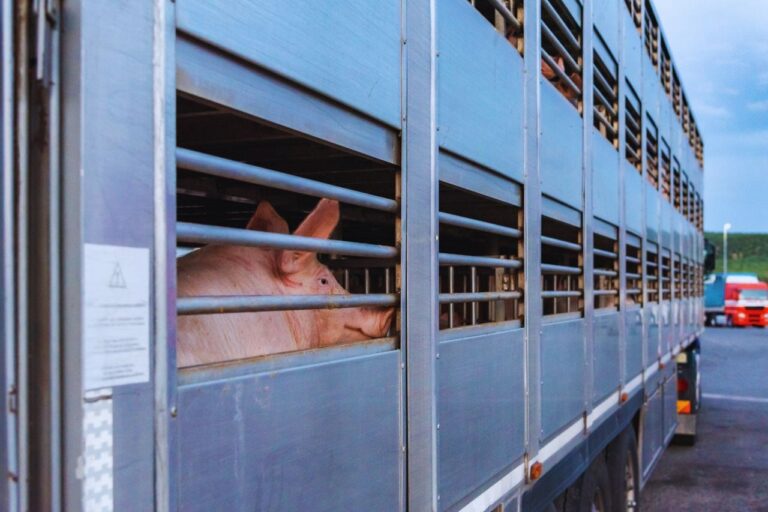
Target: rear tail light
682	385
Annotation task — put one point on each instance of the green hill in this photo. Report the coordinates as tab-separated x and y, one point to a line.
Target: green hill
746	252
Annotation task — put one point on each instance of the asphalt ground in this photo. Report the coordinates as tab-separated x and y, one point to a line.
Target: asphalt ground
727	469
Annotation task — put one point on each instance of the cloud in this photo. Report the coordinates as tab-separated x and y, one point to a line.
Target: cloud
758	106
717	111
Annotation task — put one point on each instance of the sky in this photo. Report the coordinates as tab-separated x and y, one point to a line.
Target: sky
720	49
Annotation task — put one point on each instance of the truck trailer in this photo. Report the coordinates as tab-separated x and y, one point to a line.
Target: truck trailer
735	299
352	255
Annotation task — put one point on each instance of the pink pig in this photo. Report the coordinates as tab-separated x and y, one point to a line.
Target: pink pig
238	270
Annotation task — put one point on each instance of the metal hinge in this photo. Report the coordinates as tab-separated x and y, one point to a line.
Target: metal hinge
46	22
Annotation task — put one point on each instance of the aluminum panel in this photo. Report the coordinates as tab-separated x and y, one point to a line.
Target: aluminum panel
665	309
561	147
350	53
651	87
480	90
633	196
632	49
331	431
651	213
651	313
606	19
652	440
481	409
633	322
605	181
606	356
563	359
670	406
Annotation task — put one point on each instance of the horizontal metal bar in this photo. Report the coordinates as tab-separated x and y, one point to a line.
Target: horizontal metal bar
632	259
609	89
453	298
605	122
605	101
203	234
604	272
477	261
254	303
633	139
559	294
478	225
605	254
634	291
602	293
508	15
564	53
560	73
632	275
562	25
548	268
225	168
561	244
650	264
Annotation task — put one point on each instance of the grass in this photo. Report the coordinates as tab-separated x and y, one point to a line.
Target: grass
746	253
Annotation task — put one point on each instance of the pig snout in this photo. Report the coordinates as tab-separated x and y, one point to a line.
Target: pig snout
372	322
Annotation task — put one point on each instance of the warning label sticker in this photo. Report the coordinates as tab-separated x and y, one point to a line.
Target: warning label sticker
116	315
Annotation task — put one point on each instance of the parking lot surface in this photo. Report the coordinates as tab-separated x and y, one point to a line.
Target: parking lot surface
727	469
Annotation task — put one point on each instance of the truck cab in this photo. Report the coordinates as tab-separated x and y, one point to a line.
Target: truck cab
736	300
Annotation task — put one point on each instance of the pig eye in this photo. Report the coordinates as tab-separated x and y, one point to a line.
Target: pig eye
323	281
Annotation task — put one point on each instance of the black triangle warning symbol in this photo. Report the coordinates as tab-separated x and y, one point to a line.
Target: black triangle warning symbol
117	280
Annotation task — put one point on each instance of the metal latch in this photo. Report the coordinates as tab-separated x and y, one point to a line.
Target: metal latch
13	402
46	21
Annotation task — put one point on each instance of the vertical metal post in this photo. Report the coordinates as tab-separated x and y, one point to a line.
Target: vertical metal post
532	229
420	178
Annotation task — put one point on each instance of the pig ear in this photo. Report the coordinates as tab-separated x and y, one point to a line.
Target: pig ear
320	223
267	219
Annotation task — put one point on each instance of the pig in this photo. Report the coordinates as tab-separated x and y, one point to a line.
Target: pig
239	270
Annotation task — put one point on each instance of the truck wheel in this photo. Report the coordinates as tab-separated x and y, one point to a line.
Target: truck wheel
729	321
623	468
592	491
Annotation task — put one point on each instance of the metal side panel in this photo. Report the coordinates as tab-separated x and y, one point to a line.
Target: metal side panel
651	312
633	195
652	439
651	87
631	50
561	148
481	410
670	406
350	52
325	437
480	90
606	19
605	179
606	355
665	319
563	365
633	321
206	73
651	213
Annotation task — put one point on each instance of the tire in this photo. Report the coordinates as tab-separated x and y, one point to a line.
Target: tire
624	471
592	488
729	321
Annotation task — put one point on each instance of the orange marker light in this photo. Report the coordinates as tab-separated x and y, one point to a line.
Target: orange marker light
683	407
537	468
624	397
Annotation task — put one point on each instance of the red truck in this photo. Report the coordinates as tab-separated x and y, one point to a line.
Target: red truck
736	300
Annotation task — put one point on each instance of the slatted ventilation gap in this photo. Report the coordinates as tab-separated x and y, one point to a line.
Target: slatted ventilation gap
561	43
606	268
677	276
700	213
692	205
606	91
481	245
676	185
685	197
635	8
633	149
634	269
686	117
652	152
666	172
506	16
561	268
699	149
676	92
651	35
229	164
652	271
685	287
666	68
666	275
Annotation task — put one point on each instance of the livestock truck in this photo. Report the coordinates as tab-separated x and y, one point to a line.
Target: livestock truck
437	254
735	299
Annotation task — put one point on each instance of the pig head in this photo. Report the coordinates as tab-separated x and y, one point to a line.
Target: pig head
239	270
